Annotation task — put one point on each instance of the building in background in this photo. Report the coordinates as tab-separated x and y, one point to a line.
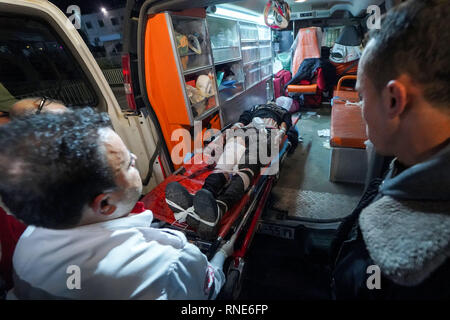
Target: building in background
104	32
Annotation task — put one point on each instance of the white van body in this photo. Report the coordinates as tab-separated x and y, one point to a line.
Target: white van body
136	131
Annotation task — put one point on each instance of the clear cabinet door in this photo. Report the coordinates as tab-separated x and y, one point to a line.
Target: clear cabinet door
224	37
252	74
266	68
249	31
192	43
264	33
265	50
201	91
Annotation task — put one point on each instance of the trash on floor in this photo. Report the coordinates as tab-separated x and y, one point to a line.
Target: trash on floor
323	133
326	144
309	114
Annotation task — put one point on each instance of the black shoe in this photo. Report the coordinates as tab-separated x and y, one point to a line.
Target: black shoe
178	194
206	207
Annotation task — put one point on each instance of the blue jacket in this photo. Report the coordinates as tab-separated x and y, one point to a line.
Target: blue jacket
401	226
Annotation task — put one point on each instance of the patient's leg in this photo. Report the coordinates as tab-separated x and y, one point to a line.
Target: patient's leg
249	167
233	152
215	182
212	207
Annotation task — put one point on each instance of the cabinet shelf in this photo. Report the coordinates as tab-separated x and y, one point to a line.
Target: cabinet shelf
265	58
206	113
250	62
194	70
225	47
227	61
181	78
191	65
246	48
229	93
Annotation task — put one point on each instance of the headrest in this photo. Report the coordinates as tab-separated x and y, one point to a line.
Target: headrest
349	37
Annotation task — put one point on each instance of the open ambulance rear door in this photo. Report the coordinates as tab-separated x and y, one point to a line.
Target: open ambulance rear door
42	53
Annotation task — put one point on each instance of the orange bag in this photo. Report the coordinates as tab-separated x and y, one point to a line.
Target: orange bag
308	46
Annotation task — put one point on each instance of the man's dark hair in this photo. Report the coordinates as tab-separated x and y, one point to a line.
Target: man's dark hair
53	165
414	39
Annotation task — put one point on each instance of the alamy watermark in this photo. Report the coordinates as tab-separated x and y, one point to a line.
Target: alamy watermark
374	20
74	16
374	280
74	279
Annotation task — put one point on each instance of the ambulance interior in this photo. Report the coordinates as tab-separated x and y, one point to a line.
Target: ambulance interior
205	62
321	181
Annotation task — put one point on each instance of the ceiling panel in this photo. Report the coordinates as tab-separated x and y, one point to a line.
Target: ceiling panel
356	7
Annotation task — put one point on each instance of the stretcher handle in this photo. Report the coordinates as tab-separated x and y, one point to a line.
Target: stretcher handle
347	77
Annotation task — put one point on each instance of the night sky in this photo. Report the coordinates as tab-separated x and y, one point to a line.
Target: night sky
90	6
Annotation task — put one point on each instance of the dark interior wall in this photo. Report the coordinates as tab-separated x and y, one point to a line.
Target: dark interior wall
286	40
282	40
323	23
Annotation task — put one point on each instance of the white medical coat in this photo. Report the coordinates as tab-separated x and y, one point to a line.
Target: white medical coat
123	258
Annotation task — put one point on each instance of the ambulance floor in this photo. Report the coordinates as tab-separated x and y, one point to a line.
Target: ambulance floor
278	269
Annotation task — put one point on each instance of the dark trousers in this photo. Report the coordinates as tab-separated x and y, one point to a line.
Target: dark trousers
250	165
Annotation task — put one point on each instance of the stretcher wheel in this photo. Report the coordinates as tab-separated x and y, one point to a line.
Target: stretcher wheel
232	288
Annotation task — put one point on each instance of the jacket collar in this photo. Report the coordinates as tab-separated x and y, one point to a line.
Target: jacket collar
407	239
407	230
428	180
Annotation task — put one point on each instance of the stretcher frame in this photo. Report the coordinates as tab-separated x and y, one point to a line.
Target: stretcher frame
241	221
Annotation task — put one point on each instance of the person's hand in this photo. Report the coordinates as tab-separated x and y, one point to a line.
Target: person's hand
222	254
227	248
237	125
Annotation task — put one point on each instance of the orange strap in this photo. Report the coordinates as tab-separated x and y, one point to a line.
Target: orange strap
306	88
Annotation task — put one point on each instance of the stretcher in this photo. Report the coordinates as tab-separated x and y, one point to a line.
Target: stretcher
347	136
343	94
348	129
238	225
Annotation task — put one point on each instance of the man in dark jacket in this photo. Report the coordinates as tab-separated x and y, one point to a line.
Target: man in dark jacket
262	126
396	243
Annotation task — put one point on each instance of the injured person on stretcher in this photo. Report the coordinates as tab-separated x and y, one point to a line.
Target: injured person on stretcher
238	156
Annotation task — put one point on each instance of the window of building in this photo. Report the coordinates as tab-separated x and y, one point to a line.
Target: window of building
114	21
88	25
101	23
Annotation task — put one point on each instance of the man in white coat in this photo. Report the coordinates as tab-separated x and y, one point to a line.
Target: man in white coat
73	181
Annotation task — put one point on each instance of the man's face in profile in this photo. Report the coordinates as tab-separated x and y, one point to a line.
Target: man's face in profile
373	106
123	165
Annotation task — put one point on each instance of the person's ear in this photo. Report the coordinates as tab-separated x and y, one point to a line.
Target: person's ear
397	98
101	205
